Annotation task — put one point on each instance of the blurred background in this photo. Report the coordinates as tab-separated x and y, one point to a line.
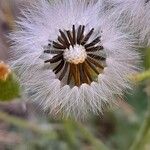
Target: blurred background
23	126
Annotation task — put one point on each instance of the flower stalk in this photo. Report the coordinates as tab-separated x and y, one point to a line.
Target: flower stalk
143	130
21	123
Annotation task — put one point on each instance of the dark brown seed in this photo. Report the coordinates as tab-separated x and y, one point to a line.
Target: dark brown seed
52	51
55	59
87	37
91	60
58	46
73	71
86	79
92	67
80	34
59	67
70	74
94	42
70	38
77	74
87	72
62	41
81	73
64	38
97	57
74	34
94	49
64	71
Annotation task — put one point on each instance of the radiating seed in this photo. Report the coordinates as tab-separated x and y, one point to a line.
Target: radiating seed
97	57
59	67
87	37
94	42
95	62
94	49
64	71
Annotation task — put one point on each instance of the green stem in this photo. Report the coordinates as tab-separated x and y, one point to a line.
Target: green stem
21	123
96	143
142	76
70	134
143	130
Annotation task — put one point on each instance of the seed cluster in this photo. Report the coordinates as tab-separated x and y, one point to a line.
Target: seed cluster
81	72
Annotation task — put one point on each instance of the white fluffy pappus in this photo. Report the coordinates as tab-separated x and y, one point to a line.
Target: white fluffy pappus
135	15
55	73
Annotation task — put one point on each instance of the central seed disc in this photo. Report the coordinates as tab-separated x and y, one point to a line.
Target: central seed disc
75	54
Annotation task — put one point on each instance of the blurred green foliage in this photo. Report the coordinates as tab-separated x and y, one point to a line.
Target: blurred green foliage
9	89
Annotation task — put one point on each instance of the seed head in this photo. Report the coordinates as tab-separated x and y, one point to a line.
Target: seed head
71	58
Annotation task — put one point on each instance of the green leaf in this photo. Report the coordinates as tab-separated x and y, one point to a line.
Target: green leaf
9	89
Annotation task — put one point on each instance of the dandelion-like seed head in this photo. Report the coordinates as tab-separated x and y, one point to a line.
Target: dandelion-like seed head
71	58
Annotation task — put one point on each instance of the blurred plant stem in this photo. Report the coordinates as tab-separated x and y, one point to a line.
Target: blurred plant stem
69	130
70	134
142	76
96	143
138	143
21	123
70	126
143	131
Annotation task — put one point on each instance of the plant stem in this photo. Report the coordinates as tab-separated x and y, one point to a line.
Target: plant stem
96	143
142	76
143	130
70	134
21	123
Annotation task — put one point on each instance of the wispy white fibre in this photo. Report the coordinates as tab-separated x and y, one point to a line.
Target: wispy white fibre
135	15
39	24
